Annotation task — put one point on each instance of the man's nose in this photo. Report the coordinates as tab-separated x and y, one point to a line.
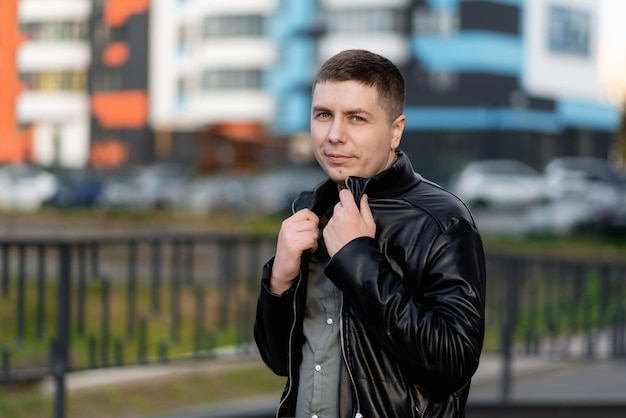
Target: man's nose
336	133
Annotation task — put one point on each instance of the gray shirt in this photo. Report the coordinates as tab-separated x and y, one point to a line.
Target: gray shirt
318	390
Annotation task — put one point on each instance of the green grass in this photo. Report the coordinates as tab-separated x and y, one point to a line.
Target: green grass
570	247
33	350
150	397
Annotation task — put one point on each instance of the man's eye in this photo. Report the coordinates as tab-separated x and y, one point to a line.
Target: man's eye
358	118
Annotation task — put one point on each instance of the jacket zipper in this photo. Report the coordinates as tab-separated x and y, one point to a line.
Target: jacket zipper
345	360
349	184
293	326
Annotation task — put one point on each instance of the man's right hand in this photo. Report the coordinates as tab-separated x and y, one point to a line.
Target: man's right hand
298	233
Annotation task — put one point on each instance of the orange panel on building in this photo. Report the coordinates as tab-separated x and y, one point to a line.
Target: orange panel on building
108	154
241	131
15	144
115	54
120	109
117	12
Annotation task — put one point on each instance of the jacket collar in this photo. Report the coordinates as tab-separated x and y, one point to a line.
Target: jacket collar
392	182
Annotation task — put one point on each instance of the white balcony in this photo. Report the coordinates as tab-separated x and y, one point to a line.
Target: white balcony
363	4
236	53
37	106
53	10
204	109
391	45
53	56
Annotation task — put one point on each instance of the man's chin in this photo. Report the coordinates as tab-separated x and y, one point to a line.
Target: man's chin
339	179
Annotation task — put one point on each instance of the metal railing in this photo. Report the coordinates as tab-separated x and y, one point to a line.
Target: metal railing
75	304
562	308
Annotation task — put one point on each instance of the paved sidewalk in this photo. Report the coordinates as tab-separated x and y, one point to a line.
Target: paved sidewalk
489	371
535	379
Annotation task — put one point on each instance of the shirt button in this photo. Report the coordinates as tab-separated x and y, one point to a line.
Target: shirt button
318	367
329	321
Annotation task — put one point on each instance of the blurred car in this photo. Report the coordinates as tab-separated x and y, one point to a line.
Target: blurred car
273	192
214	192
25	186
77	188
592	182
567	216
500	183
157	186
579	176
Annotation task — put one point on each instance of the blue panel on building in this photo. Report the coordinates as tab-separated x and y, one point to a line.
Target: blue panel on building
454	4
451	119
470	51
587	115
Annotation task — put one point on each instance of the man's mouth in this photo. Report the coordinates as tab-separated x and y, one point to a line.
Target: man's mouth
337	158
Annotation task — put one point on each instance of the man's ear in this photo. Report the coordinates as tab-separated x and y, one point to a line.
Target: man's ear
397	128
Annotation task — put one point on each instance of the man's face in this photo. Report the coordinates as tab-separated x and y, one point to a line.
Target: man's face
351	132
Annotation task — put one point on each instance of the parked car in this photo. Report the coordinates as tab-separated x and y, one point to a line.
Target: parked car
215	192
25	186
591	182
157	186
499	183
77	188
580	176
567	216
274	191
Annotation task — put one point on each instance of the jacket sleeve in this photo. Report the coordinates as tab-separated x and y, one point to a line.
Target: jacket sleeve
432	324
273	324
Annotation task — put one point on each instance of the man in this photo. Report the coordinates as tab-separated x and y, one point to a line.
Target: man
373	305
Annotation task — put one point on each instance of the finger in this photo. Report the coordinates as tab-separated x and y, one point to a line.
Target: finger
346	198
304	219
366	211
305	214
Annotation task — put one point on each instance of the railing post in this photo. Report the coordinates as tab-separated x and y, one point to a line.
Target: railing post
21	295
510	320
5	270
60	352
6	364
41	290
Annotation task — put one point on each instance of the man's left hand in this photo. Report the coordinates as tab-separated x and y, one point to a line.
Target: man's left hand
348	222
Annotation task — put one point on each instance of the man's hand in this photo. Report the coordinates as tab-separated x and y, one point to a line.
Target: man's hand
348	222
298	233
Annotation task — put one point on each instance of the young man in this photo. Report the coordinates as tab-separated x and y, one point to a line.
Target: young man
373	305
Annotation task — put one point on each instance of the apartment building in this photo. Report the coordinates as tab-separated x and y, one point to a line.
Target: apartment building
79	81
15	141
225	84
208	67
486	79
118	83
52	63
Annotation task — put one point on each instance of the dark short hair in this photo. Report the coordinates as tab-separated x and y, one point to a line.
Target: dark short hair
371	70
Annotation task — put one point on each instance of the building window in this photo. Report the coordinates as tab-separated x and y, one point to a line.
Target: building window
569	31
444	22
111	79
182	40
100	133
231	79
50	31
443	81
232	26
181	91
55	81
367	20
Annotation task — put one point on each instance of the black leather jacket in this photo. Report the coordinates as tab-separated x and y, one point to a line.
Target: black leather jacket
413	302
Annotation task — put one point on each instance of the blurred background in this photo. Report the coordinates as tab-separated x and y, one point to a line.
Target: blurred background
129	117
97	92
